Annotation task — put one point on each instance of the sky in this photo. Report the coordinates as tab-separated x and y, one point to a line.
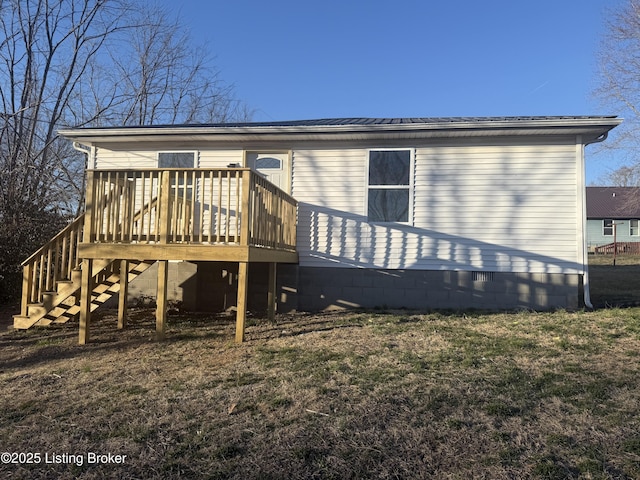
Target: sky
308	59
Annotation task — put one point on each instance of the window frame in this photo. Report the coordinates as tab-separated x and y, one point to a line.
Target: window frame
409	187
605	227
631	227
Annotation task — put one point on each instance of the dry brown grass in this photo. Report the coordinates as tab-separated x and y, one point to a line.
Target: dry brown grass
358	395
617	285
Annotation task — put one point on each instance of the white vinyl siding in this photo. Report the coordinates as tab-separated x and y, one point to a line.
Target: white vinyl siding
482	208
148	158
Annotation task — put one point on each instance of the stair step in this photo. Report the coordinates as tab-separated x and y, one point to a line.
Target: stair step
62	305
20	322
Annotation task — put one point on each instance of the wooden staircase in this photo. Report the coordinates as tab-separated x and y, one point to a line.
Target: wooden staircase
52	280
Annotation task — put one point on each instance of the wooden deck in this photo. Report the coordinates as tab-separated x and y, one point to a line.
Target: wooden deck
228	214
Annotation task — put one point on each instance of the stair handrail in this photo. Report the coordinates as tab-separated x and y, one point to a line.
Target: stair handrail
53	262
77	221
55	265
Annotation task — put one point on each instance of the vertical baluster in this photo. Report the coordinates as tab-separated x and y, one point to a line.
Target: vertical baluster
64	257
132	205
201	187
175	217
236	233
127	214
219	213
48	273
106	224
228	201
33	281
117	223
57	261
141	231
41	276
100	214
152	223
185	207
211	206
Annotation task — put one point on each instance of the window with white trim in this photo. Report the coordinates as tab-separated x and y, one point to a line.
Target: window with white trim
389	186
607	227
634	231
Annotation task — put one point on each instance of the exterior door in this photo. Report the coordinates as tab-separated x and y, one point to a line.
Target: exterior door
272	166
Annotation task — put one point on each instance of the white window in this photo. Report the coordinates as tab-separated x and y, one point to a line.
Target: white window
176	159
633	228
607	227
389	196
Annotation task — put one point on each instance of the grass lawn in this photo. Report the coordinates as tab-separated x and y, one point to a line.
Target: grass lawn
357	395
615	285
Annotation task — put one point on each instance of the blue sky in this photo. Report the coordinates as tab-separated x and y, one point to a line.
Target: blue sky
314	59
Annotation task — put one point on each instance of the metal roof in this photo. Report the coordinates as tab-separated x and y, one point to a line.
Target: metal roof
591	128
613	202
367	121
404	121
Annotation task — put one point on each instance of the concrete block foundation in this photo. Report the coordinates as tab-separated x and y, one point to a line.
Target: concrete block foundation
212	286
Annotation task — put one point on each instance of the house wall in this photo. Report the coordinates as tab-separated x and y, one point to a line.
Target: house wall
596	237
503	208
506	208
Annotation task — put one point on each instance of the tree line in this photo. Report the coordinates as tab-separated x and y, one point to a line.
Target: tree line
86	63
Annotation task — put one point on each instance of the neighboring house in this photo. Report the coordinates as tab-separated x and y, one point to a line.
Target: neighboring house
612	210
420	213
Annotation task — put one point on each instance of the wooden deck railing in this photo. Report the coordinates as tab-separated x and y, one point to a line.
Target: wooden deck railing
52	263
230	206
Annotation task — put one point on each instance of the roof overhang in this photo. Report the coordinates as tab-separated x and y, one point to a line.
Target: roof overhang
590	129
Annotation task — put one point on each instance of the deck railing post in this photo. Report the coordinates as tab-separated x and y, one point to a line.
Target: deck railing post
245	208
161	299
85	300
89	211
27	279
241	308
124	291
271	296
164	201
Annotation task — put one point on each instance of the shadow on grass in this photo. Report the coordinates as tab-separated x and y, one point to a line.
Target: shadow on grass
615	286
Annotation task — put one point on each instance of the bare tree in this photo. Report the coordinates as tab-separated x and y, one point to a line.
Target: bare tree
85	63
156	75
619	72
625	176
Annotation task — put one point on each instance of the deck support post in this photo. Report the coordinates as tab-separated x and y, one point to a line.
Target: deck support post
27	279
124	293
241	313
86	287
161	299
271	296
